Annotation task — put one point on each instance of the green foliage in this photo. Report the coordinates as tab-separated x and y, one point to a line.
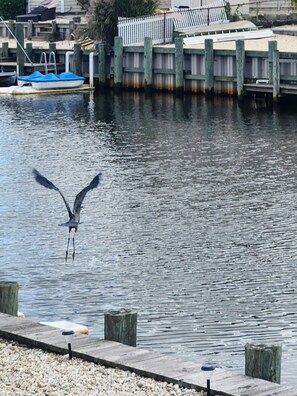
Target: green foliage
84	4
105	13
9	9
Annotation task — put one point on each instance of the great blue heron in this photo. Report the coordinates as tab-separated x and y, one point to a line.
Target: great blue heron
74	215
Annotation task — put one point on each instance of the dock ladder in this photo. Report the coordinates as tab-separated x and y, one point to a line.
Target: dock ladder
51	64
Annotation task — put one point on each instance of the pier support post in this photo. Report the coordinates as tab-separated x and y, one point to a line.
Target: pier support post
101	66
5	49
263	361
30	29
77	59
29	50
54	31
121	326
179	66
52	47
209	67
275	75
9	298
272	46
19	33
148	64
240	62
118	63
11	28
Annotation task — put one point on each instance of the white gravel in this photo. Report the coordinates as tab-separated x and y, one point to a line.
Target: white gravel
26	371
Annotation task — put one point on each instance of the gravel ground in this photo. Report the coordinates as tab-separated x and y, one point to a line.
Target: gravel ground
26	371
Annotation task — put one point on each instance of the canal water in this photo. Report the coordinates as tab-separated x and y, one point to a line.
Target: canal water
194	224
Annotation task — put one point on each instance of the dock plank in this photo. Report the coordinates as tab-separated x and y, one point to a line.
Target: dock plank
141	361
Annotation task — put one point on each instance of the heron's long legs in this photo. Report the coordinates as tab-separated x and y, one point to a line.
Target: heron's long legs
68	244
73	241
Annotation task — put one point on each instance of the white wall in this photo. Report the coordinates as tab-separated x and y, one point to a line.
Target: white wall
197	3
64	6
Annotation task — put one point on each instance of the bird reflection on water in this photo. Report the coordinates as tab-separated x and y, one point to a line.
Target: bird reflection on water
74	215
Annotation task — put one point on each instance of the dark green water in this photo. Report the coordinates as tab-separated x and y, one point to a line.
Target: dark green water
194	224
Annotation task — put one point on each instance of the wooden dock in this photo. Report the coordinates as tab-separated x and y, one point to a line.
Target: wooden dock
143	362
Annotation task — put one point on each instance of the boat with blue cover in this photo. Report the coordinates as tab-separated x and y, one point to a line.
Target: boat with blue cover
41	81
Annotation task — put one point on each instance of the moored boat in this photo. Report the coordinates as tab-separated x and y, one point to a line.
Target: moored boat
7	78
41	81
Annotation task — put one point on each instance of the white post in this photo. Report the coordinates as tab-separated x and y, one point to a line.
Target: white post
67	60
62	6
91	69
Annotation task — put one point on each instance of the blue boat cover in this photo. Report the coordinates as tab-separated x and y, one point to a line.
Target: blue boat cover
31	77
69	76
39	77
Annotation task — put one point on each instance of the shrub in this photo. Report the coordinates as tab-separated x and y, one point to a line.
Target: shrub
9	9
104	15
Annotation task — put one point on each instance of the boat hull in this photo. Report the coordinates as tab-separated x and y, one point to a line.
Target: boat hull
65	80
41	85
7	79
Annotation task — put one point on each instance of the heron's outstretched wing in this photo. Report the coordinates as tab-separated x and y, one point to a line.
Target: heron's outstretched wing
81	195
48	184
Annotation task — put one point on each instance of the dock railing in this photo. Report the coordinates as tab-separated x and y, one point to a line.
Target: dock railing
160	27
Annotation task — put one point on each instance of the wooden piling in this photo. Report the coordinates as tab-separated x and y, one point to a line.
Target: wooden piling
54	31
148	64
179	66
29	50
77	59
5	50
30	29
19	33
121	326
263	361
118	63
240	65
11	28
101	66
52	47
9	294
275	75
209	68
272	46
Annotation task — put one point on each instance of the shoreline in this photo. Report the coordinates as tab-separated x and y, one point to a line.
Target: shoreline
32	371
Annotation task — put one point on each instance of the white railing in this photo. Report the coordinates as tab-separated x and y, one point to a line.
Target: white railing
160	27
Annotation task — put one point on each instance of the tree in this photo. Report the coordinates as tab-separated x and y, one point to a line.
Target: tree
104	16
9	9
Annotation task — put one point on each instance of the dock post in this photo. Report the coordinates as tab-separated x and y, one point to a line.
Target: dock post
179	66
209	61
5	49
121	326
240	62
77	59
275	75
19	33
272	46
30	29
54	31
118	63
9	298
101	66
148	64
29	50
52	47
263	361
11	28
